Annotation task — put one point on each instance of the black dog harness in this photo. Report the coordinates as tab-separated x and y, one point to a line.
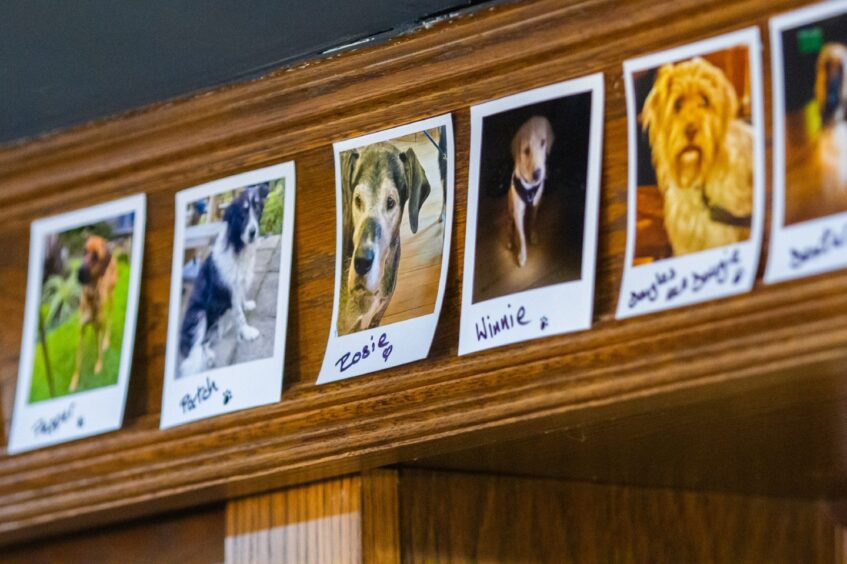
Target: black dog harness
723	215
524	193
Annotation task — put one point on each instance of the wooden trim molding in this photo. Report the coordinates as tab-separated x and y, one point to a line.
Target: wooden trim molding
444	403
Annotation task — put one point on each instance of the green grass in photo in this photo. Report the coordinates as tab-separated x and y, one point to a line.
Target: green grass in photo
62	346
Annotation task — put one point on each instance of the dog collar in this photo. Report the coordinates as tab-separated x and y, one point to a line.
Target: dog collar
526	194
723	215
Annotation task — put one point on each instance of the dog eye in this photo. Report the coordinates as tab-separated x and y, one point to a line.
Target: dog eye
677	105
94	256
390	203
704	101
543	142
526	151
357	201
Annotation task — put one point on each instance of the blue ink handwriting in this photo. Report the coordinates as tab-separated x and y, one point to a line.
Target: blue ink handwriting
382	344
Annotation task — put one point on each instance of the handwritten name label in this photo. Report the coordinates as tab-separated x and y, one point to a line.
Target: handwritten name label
204	391
50	425
829	240
486	328
669	284
381	346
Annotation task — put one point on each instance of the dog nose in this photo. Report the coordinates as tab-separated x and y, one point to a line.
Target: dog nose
690	131
83	276
536	174
363	262
252	233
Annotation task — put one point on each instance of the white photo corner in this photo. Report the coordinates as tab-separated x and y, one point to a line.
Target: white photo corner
533	204
394	214
696	191
81	308
808	63
230	282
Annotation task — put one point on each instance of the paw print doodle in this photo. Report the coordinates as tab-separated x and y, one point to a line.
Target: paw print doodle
544	323
227	396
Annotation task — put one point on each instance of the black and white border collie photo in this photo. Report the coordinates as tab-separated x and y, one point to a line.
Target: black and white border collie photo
222	284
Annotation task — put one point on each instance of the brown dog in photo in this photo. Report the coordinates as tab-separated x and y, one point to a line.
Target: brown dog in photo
98	275
378	183
702	154
530	147
831	96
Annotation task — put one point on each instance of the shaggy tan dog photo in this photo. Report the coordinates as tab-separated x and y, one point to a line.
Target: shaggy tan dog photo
702	154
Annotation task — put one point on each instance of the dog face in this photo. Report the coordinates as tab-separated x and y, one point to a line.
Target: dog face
243	214
530	147
830	82
95	261
378	182
687	115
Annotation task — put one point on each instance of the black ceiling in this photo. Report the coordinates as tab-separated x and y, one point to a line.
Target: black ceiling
64	63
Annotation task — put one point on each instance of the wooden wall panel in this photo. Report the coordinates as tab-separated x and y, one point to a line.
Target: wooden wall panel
195	537
431	407
344	520
453	517
318	523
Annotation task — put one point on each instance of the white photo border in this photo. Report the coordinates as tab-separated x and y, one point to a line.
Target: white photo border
715	273
547	302
264	384
819	244
410	340
90	412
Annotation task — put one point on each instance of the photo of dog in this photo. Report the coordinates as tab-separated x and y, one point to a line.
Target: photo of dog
531	197
694	155
230	276
85	284
392	220
815	116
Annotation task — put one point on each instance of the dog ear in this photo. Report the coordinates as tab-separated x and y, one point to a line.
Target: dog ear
264	189
417	184
348	166
730	109
656	100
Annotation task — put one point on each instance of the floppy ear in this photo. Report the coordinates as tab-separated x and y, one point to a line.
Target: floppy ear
729	94
651	113
417	184
264	190
516	144
348	166
550	137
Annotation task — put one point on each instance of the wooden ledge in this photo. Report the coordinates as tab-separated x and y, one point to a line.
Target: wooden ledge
775	335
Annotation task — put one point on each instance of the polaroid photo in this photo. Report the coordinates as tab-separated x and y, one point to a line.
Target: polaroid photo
230	284
808	65
533	197
696	173
79	325
394	207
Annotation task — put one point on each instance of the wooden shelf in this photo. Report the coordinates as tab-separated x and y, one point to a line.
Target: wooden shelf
763	347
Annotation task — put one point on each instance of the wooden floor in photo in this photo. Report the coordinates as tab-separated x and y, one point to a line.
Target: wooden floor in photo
554	259
813	186
651	239
420	253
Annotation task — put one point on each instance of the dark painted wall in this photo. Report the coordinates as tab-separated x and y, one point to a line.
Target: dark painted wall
64	63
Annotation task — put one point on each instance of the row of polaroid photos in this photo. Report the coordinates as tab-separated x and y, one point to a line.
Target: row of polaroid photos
695	219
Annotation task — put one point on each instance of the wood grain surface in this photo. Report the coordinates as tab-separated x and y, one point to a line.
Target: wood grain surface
195	537
445	403
318	523
454	517
348	519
